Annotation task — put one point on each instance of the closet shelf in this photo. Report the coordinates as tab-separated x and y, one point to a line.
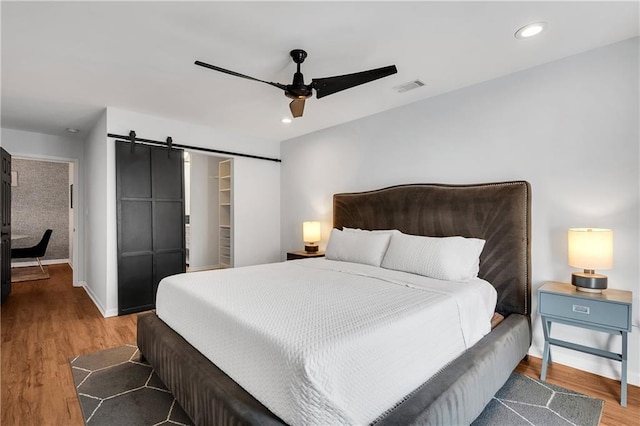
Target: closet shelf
225	206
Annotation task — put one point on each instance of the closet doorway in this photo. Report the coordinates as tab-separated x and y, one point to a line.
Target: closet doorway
209	211
41	199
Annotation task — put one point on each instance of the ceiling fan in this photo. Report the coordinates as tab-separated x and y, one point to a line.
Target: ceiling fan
299	92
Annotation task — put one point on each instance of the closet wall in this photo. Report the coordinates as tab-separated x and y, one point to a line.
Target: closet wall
203	212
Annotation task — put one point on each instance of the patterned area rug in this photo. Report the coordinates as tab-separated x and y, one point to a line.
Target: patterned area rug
115	388
527	401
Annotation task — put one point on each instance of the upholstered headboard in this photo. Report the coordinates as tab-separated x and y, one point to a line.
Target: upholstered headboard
499	213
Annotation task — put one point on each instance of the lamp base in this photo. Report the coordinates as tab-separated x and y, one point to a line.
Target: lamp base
311	248
589	282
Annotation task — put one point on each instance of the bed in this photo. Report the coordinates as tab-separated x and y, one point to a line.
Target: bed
498	213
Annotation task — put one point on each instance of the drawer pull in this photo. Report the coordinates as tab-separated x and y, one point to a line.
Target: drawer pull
581	309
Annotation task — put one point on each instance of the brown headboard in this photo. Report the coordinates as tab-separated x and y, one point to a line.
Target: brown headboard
499	213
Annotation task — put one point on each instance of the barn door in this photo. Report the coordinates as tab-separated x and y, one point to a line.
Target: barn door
5	225
150	203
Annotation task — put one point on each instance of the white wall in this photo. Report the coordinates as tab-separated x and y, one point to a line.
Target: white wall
256	212
99	277
569	127
56	148
158	128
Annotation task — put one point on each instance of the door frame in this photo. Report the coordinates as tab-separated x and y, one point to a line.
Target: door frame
216	209
5	194
77	258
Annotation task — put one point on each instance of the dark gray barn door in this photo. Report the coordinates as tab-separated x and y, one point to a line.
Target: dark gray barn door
5	225
151	241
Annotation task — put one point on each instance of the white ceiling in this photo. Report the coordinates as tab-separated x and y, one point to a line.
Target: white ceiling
63	62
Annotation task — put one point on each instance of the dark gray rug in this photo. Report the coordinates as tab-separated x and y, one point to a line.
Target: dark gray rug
527	401
115	388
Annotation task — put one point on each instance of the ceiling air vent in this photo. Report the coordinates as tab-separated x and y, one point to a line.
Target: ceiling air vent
408	86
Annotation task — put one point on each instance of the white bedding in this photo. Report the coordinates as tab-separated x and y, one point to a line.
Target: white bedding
323	342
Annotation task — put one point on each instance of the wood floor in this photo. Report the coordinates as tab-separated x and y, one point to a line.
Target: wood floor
43	324
48	321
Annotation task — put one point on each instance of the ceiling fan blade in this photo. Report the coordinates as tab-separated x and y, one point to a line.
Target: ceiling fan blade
237	74
297	107
330	85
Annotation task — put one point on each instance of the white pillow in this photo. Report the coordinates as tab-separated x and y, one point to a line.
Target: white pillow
444	258
376	231
344	228
357	247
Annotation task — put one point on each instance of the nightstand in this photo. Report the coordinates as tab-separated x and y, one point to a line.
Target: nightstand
607	312
293	255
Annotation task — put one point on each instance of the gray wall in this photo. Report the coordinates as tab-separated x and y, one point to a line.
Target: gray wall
40	202
569	127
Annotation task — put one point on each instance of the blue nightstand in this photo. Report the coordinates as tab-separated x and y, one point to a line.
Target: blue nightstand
608	312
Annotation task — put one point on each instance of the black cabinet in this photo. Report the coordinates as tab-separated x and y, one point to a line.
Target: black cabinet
151	240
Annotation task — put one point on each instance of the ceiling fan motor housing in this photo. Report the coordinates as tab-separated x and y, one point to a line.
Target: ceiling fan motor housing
298	55
298	90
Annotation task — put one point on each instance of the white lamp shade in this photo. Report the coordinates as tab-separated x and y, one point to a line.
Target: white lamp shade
311	232
590	248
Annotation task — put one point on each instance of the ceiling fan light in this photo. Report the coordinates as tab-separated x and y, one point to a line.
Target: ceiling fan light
286	120
531	30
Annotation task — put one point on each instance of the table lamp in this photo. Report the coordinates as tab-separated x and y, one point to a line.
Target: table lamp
311	236
590	249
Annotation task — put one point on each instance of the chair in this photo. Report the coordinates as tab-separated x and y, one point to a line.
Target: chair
35	252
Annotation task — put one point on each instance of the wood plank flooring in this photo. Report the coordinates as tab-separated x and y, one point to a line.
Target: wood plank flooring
48	321
43	324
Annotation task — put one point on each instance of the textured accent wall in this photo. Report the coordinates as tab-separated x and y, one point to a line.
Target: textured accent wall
41	202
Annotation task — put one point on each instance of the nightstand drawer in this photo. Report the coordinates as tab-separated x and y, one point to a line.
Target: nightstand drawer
597	312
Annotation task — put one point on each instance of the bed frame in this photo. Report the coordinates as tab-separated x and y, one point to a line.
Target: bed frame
496	212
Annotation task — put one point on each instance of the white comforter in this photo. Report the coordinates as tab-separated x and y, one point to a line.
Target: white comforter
321	342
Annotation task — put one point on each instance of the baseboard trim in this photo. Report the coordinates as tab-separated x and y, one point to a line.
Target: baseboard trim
111	313
34	263
202	268
94	299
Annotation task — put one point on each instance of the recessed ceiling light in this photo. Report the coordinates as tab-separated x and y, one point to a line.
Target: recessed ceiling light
531	30
72	130
408	86
286	120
